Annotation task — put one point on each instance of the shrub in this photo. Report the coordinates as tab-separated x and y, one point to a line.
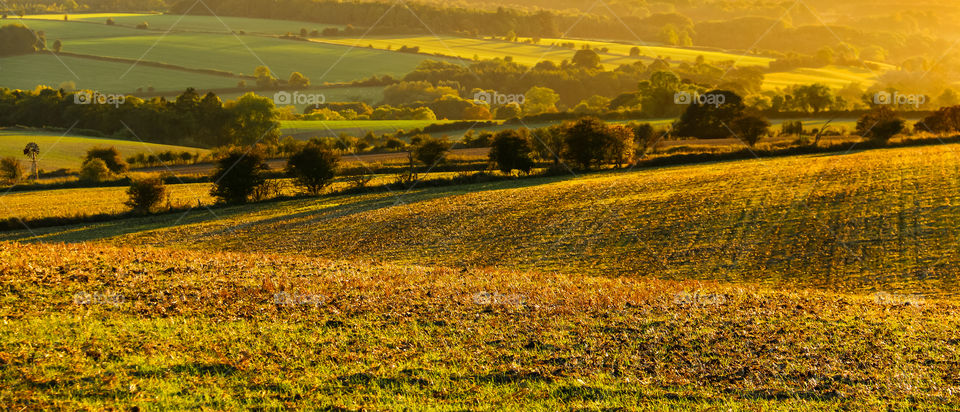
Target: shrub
10	169
645	137
238	175
430	150
511	150
750	128
880	124
110	156
313	168
94	170
144	195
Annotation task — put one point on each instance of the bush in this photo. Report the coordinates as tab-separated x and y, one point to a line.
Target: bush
313	168
10	169
750	128
880	124
94	170
511	150
110	156
429	150
145	194
238	175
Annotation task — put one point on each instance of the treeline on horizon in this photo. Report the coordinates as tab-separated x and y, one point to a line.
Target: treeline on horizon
189	120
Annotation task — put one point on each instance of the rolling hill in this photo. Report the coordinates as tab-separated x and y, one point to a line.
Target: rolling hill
855	221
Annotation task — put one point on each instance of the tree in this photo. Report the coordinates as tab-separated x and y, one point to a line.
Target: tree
430	150
313	167
10	169
57	46
264	77
298	80
586	142
17	39
477	112
548	143
750	128
540	100
880	124
32	150
511	150
252	119
710	116
144	194
645	138
94	170
110	157
634	51
238	175
509	111
619	145
586	59
110	21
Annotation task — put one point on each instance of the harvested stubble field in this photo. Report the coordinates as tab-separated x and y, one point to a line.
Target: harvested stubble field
87	326
878	220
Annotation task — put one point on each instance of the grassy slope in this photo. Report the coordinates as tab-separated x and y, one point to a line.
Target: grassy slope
26	72
321	63
195	329
870	221
59	151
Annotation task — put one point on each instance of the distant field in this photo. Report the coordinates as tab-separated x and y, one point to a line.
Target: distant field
833	76
352	127
880	220
67	151
530	54
164	22
28	71
241	55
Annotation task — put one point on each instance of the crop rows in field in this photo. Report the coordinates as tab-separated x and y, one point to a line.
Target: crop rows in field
186	329
859	221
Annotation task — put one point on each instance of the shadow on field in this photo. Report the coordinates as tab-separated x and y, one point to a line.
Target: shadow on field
244	217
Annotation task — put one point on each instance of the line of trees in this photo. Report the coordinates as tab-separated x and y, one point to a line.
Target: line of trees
189	120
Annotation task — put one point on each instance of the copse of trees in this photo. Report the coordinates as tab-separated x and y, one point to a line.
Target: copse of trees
189	120
709	116
110	157
430	151
589	142
17	39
